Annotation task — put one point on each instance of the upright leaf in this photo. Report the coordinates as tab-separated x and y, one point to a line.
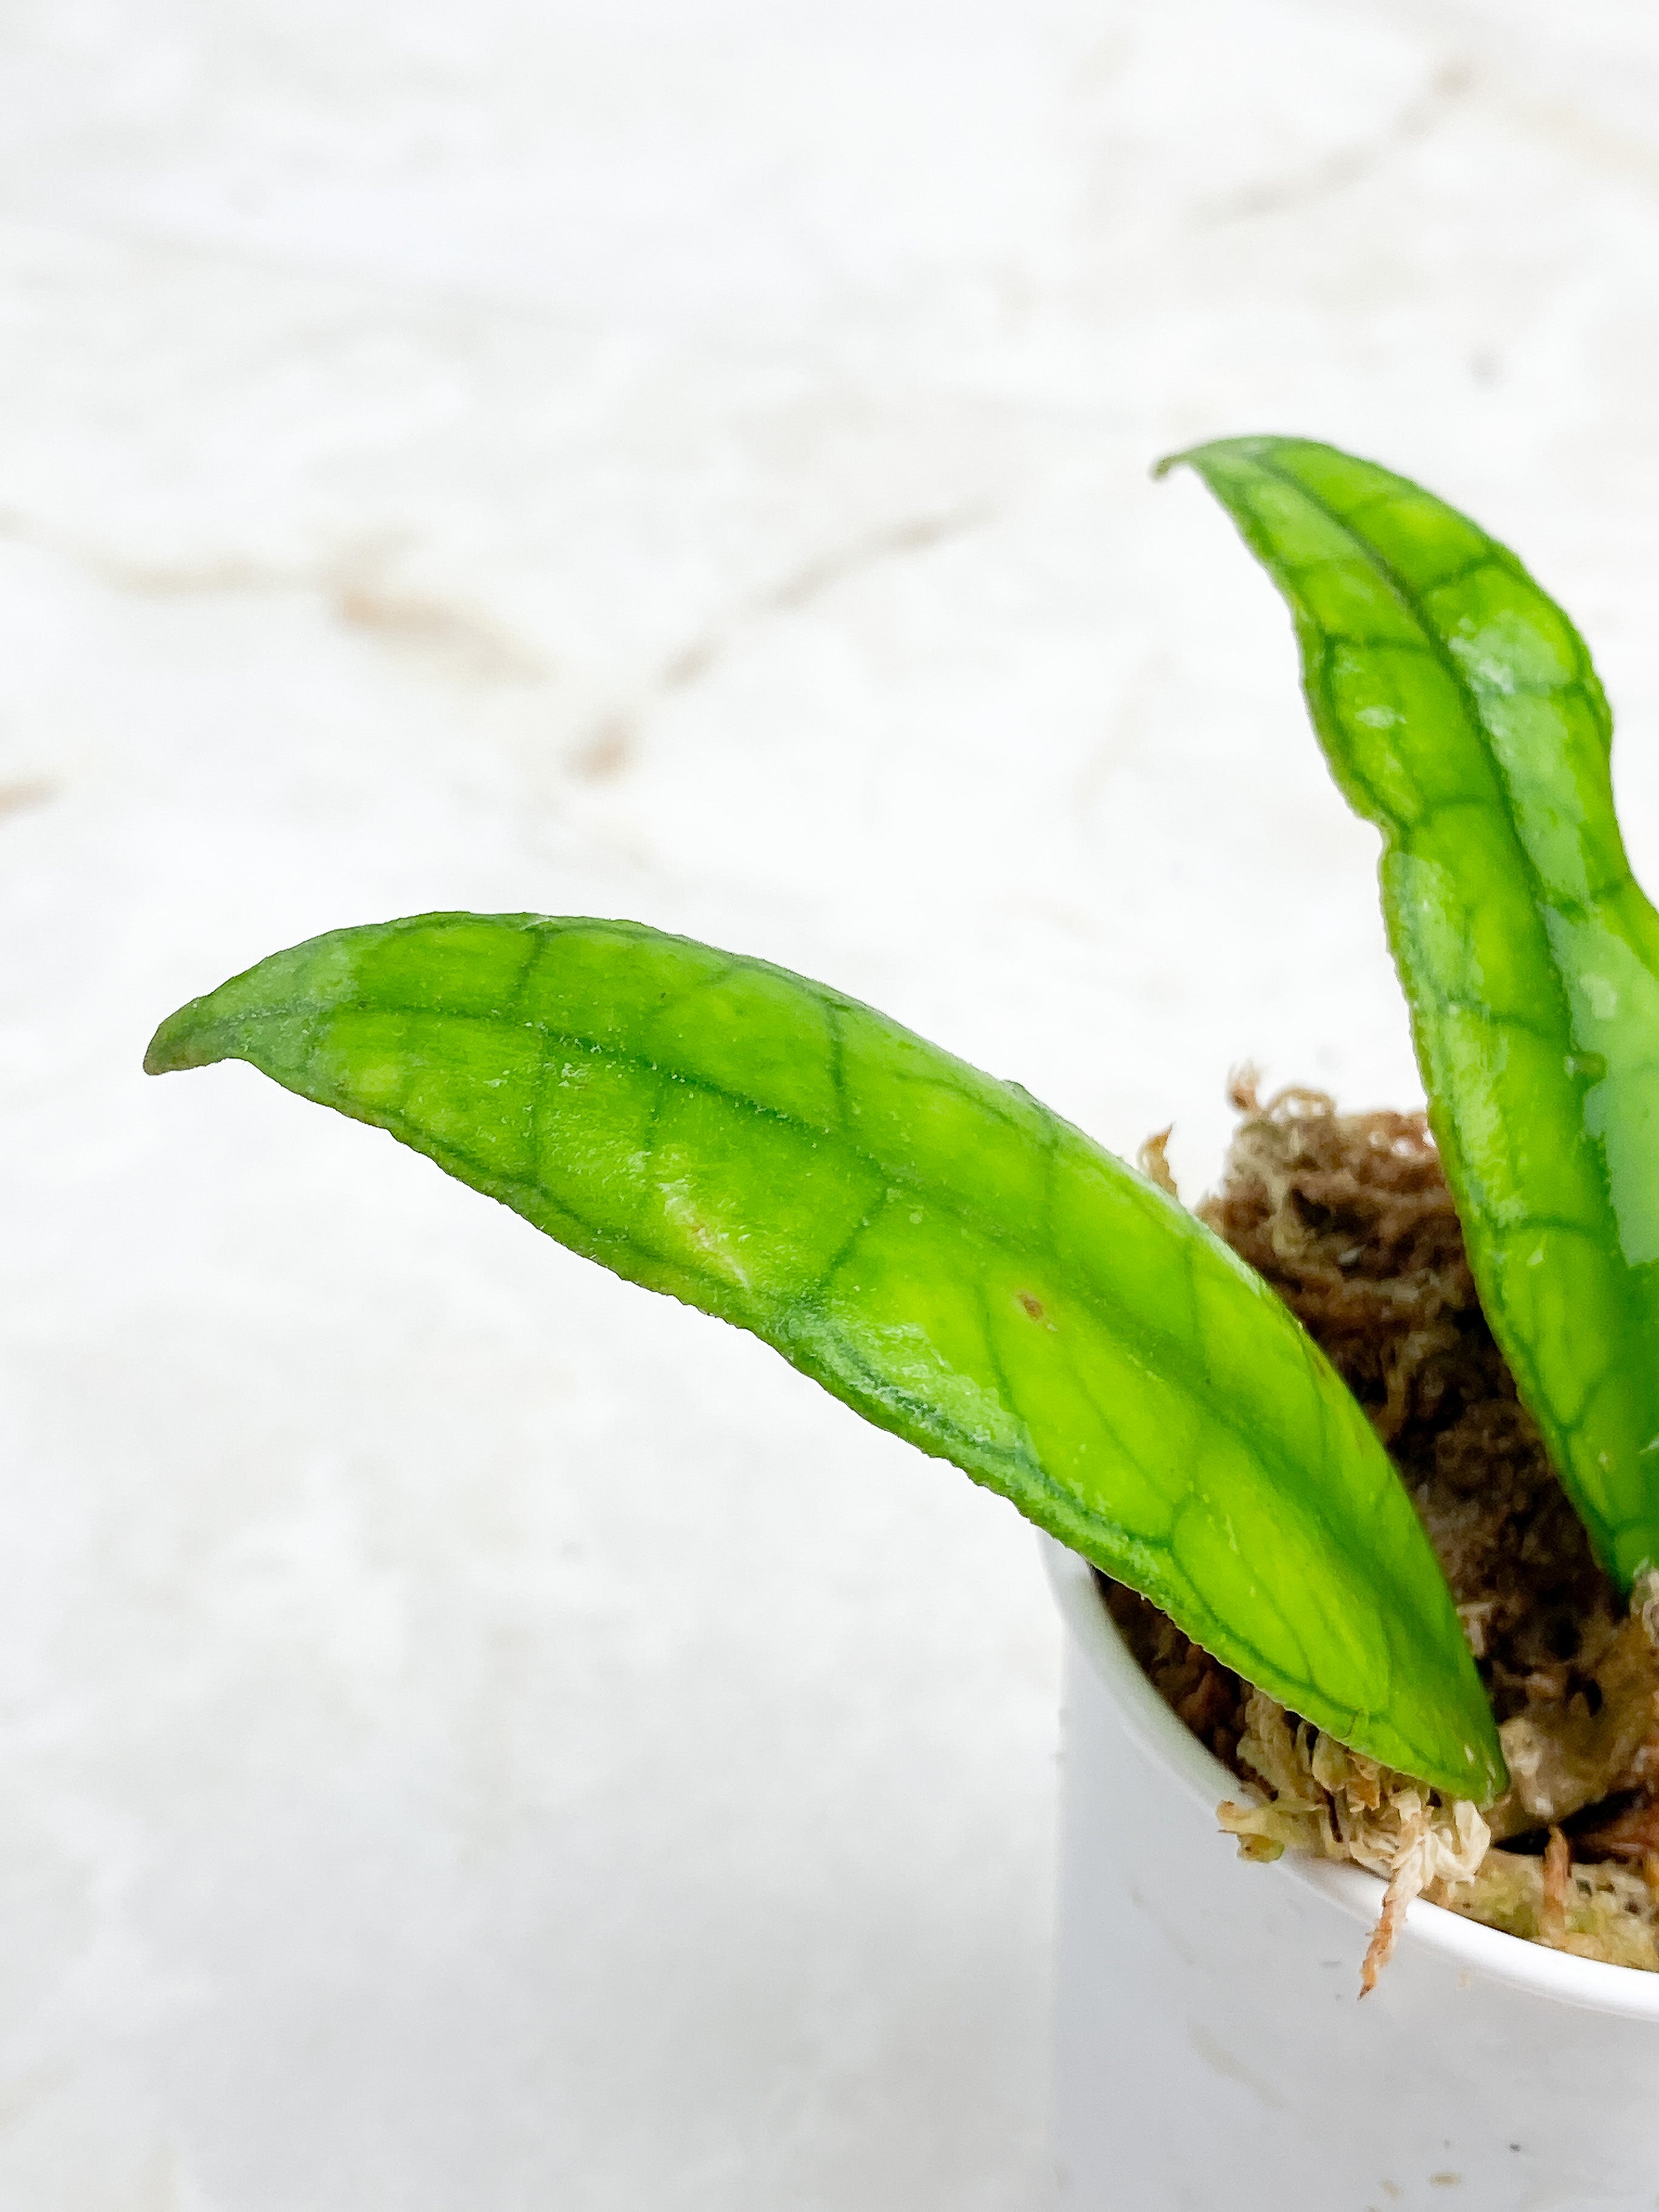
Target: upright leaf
1459	711
934	1246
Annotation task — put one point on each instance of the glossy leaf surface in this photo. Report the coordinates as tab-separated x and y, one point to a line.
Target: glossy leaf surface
934	1246
1459	711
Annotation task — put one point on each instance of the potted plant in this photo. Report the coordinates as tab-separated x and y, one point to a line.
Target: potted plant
964	1268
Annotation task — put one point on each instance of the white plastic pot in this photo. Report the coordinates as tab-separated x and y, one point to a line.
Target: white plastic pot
1212	2056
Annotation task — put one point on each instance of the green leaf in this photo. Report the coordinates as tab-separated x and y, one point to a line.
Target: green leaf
934	1246
1459	711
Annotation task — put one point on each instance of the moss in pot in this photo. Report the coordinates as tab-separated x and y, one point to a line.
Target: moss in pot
966	1269
1348	1216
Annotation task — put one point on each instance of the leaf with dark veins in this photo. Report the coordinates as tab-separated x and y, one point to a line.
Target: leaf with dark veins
1458	712
934	1246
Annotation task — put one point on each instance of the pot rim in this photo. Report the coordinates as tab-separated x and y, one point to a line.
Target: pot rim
1588	1984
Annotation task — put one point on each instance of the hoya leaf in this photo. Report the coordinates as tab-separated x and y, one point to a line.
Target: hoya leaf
934	1246
1459	711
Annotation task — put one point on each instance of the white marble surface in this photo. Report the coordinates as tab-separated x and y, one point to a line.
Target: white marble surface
471	1735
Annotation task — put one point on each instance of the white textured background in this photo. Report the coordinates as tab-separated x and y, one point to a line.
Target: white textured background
472	1737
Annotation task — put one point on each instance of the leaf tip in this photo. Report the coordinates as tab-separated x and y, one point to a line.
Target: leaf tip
1255	446
1161	468
182	1041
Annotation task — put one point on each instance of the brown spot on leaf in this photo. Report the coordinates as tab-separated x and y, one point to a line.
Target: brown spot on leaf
1033	1306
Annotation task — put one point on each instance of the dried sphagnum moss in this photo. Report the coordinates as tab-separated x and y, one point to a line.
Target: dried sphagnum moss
1316	1795
1349	1218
